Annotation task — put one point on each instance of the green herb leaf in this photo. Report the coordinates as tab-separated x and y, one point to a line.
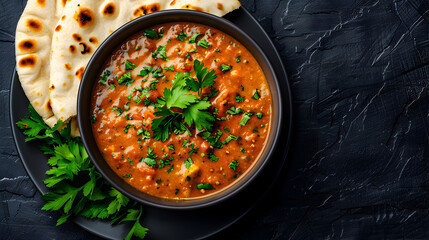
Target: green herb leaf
126	79
205	186
225	68
233	165
129	65
193	39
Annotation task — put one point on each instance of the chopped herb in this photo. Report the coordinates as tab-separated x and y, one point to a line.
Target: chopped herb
259	115
152	34
160	53
239	99
188	163
137	99
262	125
130	96
212	157
188	56
231	43
181	36
176	191
193	51
238	59
157	74
226	129
217	50
235	111
104	76
128	126
171	147
225	68
242	88
203	155
145	71
170	169
233	165
205	186
203	43
185	142
128	175
256	96
120	111
245	118
138	48
112	86
193	39
195	150
126	78
127	106
171	68
230	138
130	161
129	65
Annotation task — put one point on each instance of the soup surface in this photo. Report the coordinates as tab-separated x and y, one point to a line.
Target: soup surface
181	111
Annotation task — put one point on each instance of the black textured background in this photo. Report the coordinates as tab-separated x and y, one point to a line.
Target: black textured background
359	161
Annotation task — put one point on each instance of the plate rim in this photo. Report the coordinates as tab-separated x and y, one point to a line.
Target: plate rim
287	110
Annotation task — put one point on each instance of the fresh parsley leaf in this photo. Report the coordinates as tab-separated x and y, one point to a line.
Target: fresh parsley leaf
160	53
245	118
205	78
259	115
195	114
203	43
181	36
152	34
188	163
225	68
126	79
239	99
234	111
205	186
104	76
193	39
233	165
129	65
256	96
171	68
145	71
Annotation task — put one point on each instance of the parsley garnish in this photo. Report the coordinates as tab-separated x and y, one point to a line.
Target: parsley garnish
203	43
104	76
181	36
126	78
259	115
235	111
239	99
160	53
205	186
233	165
245	118
129	65
152	34
171	68
75	187
205	78
225	68
194	38
188	163
256	96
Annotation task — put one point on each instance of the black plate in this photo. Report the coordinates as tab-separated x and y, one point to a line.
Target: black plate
168	224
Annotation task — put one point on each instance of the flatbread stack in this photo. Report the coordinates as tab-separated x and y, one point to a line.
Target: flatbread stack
56	38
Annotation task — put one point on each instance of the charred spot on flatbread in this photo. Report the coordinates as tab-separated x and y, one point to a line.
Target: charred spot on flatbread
93	40
58	28
63	18
34	25
109	9
86	49
79	73
48	106
41	2
77	37
84	17
189	6
220	6
67	66
63	2
173	2
27	45
28	61
72	48
146	9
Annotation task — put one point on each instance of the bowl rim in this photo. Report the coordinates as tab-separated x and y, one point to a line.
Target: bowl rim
240	184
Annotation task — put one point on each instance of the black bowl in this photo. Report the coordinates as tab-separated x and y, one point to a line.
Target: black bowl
92	73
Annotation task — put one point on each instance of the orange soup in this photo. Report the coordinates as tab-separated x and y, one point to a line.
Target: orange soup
181	111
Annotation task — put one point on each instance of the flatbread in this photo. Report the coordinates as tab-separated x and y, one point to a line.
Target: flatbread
33	48
87	23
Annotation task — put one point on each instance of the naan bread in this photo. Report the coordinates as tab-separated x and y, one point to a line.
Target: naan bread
33	49
87	23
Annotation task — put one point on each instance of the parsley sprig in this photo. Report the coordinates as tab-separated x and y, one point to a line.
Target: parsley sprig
76	188
194	109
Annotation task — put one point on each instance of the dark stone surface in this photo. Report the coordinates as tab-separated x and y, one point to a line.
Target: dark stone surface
359	160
